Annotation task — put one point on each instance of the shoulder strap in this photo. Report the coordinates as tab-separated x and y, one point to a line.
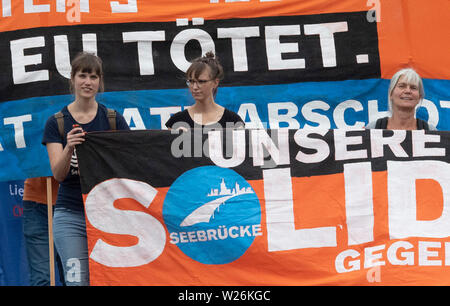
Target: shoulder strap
381	123
112	119
422	125
60	121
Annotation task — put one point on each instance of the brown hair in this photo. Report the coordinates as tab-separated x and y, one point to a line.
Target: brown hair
87	63
199	64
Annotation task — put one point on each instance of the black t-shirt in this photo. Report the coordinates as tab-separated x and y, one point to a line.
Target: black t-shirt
69	192
182	119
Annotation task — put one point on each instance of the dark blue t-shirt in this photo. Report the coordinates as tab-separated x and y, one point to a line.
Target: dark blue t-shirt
69	193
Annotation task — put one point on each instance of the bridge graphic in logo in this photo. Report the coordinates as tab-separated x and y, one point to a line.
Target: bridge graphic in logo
212	214
205	212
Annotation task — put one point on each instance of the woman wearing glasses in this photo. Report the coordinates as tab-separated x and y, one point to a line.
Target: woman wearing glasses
203	77
405	94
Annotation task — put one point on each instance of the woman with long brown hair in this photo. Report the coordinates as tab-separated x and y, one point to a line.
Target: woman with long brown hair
82	115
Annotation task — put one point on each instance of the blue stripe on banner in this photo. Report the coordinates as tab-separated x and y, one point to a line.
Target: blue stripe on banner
13	260
341	104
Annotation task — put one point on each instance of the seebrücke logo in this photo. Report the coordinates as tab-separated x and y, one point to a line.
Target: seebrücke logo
212	214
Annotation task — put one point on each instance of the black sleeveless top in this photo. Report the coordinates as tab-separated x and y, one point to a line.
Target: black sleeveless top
382	124
184	117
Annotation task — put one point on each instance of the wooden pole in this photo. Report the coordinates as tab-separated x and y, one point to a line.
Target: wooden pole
50	231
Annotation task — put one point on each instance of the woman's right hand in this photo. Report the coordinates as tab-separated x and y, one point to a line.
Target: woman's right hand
75	137
60	157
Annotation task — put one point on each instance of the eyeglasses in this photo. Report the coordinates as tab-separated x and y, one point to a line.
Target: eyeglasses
199	83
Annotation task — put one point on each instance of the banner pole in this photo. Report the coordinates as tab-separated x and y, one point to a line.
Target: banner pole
50	231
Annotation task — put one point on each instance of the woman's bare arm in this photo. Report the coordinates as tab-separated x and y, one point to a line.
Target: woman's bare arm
60	157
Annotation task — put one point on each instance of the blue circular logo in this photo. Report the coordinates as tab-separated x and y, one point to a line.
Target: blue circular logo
212	214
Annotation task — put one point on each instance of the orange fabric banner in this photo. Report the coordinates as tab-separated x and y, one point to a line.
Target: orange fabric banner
412	32
346	214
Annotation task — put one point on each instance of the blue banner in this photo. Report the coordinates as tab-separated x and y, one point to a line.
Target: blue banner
337	104
13	260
